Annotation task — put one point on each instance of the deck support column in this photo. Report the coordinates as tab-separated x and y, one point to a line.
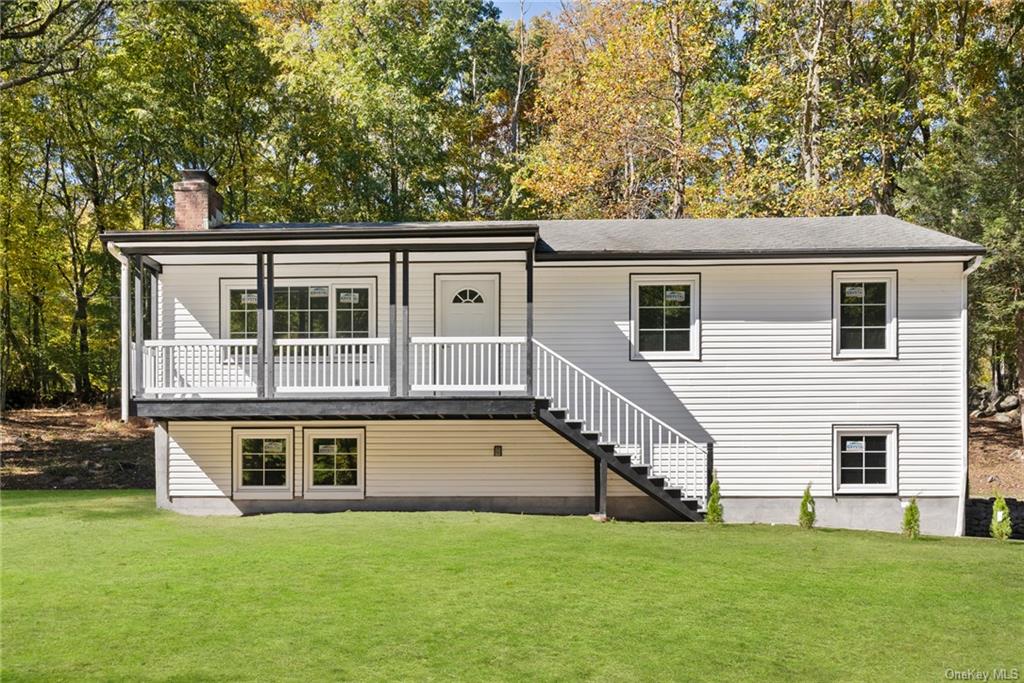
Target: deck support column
710	473
126	386
529	322
261	330
139	330
406	337
268	322
393	324
601	487
154	306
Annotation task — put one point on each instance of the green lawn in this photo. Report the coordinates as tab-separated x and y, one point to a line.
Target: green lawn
99	585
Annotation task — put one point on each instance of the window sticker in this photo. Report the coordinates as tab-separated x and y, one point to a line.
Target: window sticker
855	290
318	291
854	445
678	296
249	298
274	446
327	449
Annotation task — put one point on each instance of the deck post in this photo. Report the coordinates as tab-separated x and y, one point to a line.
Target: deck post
126	386
139	329
393	321
261	331
268	322
406	337
710	474
601	487
154	306
529	322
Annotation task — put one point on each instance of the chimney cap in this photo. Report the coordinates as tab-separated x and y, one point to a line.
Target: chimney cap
198	174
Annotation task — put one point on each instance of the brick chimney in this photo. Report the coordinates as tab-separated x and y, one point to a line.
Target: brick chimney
197	204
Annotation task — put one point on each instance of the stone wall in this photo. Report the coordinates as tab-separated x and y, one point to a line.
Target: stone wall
978	516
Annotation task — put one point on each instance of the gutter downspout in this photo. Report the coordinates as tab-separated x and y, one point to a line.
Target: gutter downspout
961	512
125	326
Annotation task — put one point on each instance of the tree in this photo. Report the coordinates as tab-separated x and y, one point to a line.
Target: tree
912	520
807	514
714	513
970	184
43	39
1001	527
623	107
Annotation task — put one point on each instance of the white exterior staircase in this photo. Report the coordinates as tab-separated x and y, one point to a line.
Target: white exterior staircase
643	449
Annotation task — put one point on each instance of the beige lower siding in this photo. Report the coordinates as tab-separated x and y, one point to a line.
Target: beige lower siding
421	458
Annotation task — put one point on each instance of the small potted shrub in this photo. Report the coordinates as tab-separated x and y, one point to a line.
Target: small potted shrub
807	515
1001	527
912	520
714	513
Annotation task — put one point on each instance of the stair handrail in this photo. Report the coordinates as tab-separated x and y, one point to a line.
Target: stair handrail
614	393
663	439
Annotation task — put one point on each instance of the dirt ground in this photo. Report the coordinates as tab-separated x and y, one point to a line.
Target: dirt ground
89	448
996	459
74	448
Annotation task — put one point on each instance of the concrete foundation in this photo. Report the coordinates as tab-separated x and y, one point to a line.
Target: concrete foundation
872	513
633	508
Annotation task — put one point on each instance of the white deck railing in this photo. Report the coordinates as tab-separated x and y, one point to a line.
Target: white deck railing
331	365
467	364
208	366
617	420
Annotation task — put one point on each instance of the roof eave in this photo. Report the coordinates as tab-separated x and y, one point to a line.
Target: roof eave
325	233
741	254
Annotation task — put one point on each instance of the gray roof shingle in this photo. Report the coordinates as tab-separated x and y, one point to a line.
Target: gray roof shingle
754	236
713	237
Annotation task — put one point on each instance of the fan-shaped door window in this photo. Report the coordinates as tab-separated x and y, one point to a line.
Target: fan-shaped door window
467	296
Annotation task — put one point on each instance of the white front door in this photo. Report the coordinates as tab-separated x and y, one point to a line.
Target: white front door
467	305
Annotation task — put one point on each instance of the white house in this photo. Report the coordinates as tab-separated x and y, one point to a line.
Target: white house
551	366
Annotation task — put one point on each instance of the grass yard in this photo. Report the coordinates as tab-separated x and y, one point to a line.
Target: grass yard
99	585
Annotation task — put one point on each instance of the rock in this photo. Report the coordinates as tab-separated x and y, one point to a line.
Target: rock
992	478
1004	418
68	481
975	414
106	449
1007	403
986	411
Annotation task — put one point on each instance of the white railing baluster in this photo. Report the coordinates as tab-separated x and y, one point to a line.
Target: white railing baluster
617	420
467	364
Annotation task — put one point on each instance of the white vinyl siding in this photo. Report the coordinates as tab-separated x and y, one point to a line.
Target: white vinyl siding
767	390
422	458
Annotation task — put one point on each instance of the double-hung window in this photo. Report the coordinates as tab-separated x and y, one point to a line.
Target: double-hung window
665	317
262	463
865	459
864	314
333	463
304	310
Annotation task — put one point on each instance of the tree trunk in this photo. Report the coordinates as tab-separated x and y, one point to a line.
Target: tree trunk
1020	366
810	120
36	341
678	179
80	335
520	77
